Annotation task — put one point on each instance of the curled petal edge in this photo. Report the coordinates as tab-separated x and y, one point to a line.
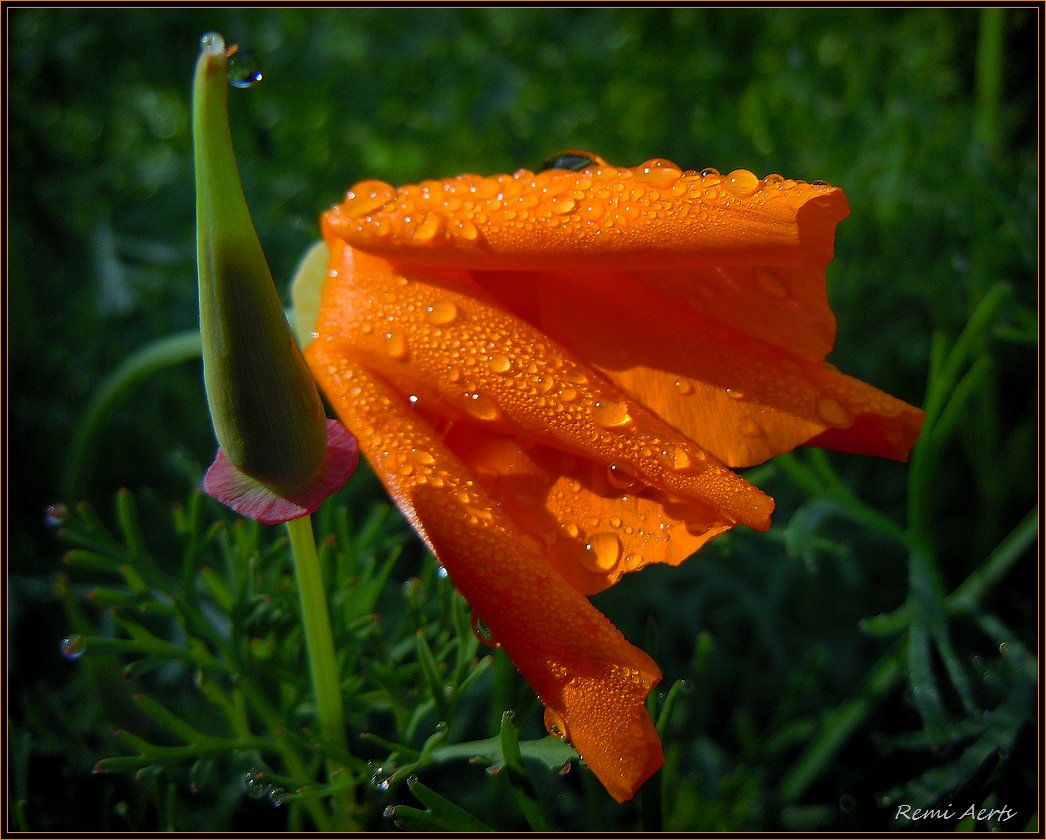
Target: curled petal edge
271	505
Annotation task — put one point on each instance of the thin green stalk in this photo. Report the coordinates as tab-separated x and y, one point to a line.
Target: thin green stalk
319	647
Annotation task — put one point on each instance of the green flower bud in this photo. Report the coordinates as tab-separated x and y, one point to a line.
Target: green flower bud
264	405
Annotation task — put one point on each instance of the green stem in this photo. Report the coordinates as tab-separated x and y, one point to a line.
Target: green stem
323	666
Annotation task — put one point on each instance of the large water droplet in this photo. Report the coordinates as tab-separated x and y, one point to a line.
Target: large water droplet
611	414
499	363
481	407
742	182
244	69
56	514
602	552
620	477
423	457
441	313
555	725
73	647
833	412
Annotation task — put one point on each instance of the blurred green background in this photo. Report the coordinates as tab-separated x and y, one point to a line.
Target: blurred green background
926	117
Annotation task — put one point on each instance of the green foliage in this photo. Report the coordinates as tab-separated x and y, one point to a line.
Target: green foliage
876	648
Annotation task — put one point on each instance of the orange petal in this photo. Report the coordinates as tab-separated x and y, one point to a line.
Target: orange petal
435	336
741	396
654	215
594	521
592	681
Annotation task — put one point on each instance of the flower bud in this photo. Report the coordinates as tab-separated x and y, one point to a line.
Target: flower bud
264	405
279	457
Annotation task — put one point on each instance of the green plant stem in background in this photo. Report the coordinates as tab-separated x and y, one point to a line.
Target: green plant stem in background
990	41
323	665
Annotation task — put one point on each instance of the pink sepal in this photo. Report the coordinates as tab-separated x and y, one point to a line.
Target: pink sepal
265	504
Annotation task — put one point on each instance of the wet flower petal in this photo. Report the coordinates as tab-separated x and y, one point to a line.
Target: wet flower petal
574	658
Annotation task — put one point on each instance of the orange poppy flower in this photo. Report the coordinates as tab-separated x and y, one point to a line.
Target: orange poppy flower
552	372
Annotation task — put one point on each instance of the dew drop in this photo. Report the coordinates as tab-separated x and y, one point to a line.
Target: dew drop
709	172
742	182
611	414
423	457
602	552
396	344
430	226
568	394
481	407
367	197
620	477
685	387
680	460
735	393
833	412
483	633
277	796
441	313
499	363
555	725
562	204
73	647
212	44
244	70
56	514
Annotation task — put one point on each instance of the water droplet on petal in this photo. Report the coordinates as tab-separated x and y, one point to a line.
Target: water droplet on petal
73	647
423	457
441	313
620	477
244	69
499	363
611	414
555	725
396	344
742	182
735	393
430	226
483	633
481	407
685	387
366	197
55	515
602	552
833	412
